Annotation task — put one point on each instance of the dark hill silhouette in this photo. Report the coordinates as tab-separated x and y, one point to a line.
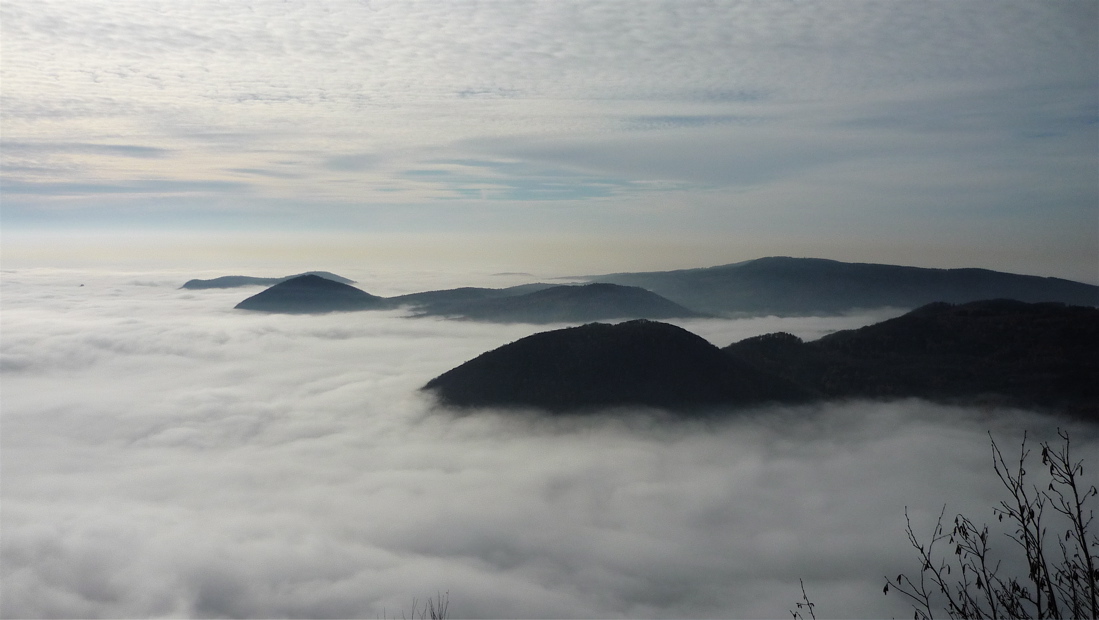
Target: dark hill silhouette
561	304
527	303
805	286
237	281
452	301
311	294
637	363
1005	351
1001	352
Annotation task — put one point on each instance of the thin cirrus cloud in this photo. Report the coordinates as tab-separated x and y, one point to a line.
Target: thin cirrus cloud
110	150
516	180
153	186
207	462
352	163
672	121
275	174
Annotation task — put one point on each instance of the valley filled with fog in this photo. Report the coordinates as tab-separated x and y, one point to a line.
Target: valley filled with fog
165	455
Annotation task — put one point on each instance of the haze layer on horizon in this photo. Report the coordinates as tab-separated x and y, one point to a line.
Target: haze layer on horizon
940	135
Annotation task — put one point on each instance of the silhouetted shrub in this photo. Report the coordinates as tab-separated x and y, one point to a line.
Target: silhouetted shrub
965	580
1050	523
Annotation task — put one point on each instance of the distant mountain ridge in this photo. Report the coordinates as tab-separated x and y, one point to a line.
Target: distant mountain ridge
563	304
1002	352
452	301
311	294
779	286
238	281
533	303
787	286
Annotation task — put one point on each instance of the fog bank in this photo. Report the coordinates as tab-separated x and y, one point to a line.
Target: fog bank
164	455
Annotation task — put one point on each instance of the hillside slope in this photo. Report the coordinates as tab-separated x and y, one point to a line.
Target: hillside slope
1001	351
806	286
567	304
637	363
238	281
310	294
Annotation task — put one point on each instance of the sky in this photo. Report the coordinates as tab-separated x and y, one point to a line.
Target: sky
166	456
551	136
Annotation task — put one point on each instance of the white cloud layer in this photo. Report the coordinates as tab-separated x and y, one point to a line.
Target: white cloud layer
163	455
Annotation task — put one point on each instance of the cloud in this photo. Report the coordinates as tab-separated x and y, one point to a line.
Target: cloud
427	74
684	120
393	50
154	186
165	455
488	179
893	123
275	174
117	150
970	130
352	163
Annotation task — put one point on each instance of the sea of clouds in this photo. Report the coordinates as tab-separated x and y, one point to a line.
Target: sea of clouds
166	455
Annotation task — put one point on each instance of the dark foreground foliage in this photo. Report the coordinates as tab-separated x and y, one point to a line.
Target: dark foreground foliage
962	572
1050	526
434	608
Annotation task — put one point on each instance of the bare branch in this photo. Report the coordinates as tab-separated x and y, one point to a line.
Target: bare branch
965	580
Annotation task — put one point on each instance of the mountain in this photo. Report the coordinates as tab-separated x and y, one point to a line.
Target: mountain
309	294
803	286
453	301
1003	351
552	304
776	285
236	281
636	363
527	303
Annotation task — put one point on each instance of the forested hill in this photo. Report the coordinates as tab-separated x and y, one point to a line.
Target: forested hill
596	366
999	352
310	294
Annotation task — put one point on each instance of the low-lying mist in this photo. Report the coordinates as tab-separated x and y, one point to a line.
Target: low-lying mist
165	455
